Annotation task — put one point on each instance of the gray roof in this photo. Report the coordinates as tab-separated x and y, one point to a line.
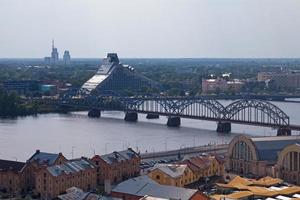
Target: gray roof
70	167
75	193
268	148
44	158
173	170
119	156
8	165
141	187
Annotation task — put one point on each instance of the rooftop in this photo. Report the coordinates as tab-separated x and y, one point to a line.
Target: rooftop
269	147
75	193
173	170
119	156
70	167
44	158
143	187
8	165
264	187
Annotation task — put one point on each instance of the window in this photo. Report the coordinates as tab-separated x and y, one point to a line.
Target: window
157	177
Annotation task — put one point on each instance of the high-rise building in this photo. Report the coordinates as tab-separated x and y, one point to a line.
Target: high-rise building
67	58
54	54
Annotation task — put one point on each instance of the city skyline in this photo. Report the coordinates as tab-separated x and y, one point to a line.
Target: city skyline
146	29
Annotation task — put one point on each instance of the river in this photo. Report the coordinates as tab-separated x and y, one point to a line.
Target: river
77	135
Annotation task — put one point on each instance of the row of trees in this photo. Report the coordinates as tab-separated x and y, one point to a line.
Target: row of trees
12	106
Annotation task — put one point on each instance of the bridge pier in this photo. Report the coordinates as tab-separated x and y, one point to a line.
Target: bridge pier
152	116
173	121
224	127
131	116
94	113
284	131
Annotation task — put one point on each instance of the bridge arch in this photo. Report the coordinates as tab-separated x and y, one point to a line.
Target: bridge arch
255	111
202	108
197	107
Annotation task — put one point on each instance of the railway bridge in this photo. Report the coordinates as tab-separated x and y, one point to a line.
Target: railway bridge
244	111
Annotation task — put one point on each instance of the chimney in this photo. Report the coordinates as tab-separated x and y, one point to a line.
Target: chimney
37	151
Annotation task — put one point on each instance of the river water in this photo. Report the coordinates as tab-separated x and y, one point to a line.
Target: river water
77	135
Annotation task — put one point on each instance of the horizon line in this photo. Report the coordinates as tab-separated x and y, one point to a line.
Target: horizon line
36	58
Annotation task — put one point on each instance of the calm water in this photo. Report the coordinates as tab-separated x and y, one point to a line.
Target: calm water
77	135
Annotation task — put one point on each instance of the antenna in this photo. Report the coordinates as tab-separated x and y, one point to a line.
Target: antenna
52	43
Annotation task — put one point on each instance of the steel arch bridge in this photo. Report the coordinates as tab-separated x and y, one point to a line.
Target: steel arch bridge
199	108
255	111
244	111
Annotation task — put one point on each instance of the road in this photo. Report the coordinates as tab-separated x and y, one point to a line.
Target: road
220	149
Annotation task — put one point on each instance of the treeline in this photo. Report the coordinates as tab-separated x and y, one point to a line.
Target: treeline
12	106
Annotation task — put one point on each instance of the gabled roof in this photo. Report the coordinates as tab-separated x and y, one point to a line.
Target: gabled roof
192	166
8	165
43	158
142	188
75	193
71	166
119	156
172	170
201	162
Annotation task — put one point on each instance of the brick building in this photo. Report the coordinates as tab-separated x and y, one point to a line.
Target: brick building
10	179
37	160
54	180
172	174
205	166
285	80
117	166
221	85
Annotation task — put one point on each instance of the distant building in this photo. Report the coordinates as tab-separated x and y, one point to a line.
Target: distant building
221	85
54	55
283	80
172	174
115	77
67	58
117	166
54	180
49	90
21	87
137	188
259	156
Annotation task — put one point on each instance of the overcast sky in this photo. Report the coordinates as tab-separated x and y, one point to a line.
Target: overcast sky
151	28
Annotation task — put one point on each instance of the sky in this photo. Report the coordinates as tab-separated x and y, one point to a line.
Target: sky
151	28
